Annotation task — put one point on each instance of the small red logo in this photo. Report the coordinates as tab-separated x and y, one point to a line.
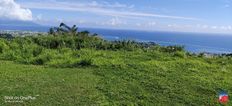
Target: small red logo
223	98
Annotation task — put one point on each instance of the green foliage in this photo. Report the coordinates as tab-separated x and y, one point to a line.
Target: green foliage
3	46
82	63
86	62
63	29
6	36
171	49
41	60
180	54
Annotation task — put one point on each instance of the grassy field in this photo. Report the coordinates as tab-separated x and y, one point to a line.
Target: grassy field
138	79
81	69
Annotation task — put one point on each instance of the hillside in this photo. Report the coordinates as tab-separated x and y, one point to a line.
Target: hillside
17	23
77	68
21	25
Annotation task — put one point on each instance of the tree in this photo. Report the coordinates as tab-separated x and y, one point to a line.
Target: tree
63	29
74	29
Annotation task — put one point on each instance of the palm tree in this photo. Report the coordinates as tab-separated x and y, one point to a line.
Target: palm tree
65	28
74	30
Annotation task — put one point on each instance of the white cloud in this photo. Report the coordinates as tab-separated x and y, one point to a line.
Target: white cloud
114	22
205	26
138	24
9	9
105	8
229	27
225	27
108	5
151	24
173	25
214	27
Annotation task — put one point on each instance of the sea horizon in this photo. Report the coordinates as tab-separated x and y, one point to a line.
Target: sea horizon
195	42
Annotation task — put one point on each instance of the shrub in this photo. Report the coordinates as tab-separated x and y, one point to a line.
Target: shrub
37	51
3	46
48	41
83	63
41	60
11	55
180	54
201	55
38	61
86	62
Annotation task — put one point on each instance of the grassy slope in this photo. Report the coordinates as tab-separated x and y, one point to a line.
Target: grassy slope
50	86
121	78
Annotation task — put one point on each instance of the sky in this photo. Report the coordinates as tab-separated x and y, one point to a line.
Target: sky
210	16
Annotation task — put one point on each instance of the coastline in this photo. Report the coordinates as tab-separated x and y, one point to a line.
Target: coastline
117	35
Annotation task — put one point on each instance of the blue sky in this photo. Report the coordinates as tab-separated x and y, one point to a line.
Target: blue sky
214	16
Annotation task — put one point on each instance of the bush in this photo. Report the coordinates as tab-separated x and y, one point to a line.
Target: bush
180	54
86	62
11	55
37	51
83	63
3	46
48	42
41	60
38	61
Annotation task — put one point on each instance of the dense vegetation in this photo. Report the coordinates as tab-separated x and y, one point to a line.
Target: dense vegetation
79	68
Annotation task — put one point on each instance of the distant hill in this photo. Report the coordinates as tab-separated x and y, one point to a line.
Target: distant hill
21	25
17	23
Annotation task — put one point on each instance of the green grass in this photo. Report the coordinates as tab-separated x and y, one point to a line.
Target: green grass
80	70
50	86
181	82
131	79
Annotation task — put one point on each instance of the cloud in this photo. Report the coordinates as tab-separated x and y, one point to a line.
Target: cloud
9	9
114	22
222	28
229	27
109	5
152	23
199	28
105	8
172	25
214	27
146	25
138	24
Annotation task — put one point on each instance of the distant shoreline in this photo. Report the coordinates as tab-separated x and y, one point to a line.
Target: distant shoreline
199	44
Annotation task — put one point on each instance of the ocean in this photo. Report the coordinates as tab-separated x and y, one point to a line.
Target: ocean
193	42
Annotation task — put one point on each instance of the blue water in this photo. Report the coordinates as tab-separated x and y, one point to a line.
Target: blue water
193	42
